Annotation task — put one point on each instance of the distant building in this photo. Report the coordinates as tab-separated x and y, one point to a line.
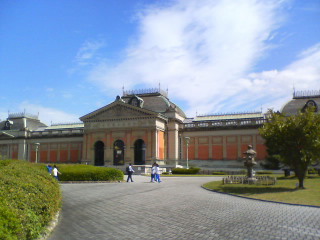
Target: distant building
142	127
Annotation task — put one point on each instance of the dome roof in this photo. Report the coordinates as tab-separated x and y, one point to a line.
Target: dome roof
156	102
299	104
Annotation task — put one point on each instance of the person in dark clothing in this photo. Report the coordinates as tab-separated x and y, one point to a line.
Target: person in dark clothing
130	171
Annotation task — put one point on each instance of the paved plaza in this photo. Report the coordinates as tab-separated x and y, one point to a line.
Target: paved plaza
177	208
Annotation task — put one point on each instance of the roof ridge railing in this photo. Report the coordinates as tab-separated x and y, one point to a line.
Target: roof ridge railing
144	91
228	114
22	114
306	93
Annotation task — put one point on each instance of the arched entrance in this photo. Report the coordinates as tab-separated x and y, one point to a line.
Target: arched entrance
139	152
99	153
118	153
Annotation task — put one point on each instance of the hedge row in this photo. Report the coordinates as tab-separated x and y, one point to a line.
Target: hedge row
219	173
185	171
76	172
29	199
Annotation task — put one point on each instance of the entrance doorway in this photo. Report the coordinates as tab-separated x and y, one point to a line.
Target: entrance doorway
118	152
99	153
139	152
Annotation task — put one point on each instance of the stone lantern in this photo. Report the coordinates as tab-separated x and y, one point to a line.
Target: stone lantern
250	163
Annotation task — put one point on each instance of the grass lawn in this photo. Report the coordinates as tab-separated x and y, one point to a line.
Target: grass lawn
284	190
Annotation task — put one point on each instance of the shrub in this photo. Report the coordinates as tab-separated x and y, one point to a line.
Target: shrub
312	171
219	173
29	199
77	172
191	170
264	172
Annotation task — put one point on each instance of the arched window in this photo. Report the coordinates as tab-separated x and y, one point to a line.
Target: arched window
139	152
99	153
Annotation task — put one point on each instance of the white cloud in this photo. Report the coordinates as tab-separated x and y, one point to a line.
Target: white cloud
88	52
3	116
275	86
201	50
48	115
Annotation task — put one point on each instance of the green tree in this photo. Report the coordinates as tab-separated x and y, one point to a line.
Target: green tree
296	139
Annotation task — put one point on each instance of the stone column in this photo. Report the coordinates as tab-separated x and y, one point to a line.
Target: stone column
239	147
155	144
129	151
22	149
173	142
210	147
224	147
196	147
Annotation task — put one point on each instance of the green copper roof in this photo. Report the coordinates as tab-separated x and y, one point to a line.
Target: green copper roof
228	116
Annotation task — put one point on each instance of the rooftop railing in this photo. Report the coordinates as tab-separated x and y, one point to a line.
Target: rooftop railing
22	115
225	123
57	132
145	91
229	114
65	124
306	94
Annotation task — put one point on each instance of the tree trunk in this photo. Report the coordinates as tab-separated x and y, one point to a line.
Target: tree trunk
300	174
301	183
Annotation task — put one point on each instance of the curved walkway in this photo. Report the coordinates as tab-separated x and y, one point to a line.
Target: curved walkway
177	208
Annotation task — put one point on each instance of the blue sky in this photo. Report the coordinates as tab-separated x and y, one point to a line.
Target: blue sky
64	59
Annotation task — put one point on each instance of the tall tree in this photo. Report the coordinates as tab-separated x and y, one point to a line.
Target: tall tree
296	139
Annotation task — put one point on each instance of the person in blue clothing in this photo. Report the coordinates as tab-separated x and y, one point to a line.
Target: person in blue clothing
158	173
49	167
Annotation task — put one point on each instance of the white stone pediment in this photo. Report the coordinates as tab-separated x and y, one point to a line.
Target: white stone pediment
118	111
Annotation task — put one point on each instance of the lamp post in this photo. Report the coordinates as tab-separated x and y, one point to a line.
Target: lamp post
187	142
37	149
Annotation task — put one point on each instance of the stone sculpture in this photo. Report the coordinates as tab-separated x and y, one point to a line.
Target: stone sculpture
250	162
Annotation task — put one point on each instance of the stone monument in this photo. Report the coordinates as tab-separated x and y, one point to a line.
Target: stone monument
249	163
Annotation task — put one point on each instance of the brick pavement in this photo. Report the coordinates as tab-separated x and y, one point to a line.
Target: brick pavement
177	208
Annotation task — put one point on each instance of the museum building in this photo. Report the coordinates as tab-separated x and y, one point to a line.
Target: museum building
142	127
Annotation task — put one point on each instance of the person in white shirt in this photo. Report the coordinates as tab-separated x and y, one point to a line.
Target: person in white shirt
130	171
153	172
158	173
56	172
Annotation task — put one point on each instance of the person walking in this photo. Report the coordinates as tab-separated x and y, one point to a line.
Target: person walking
153	172
130	171
157	169
56	172
49	169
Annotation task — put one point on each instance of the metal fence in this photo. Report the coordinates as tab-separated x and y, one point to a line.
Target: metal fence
259	180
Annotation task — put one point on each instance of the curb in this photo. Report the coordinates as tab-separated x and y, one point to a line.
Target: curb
51	226
76	182
261	200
